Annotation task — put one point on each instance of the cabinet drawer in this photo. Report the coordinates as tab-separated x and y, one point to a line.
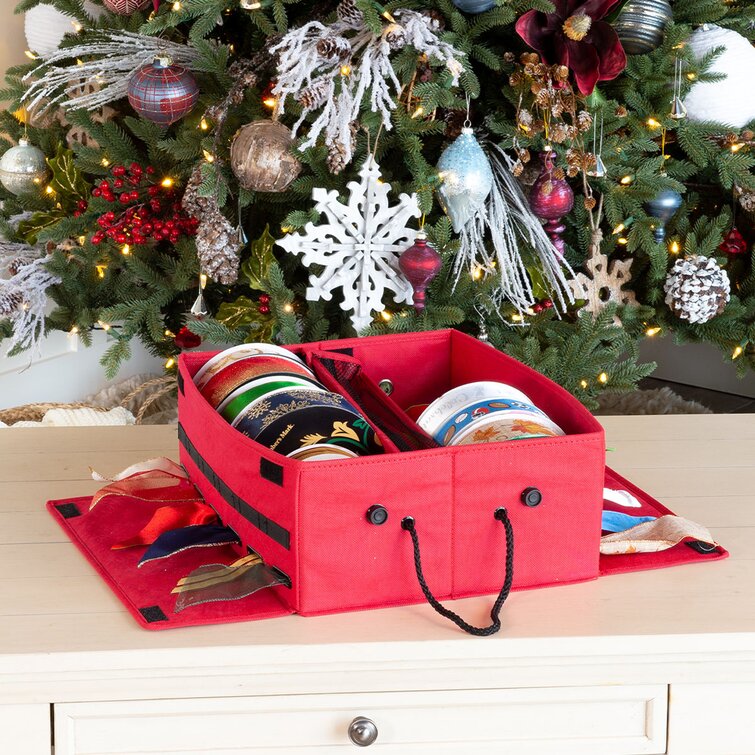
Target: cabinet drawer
611	720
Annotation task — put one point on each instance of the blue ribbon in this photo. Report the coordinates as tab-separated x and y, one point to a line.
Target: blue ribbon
195	536
616	521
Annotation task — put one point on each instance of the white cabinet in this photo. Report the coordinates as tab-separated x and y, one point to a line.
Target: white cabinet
612	720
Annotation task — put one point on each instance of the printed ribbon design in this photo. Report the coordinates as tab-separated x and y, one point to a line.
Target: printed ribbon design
655	535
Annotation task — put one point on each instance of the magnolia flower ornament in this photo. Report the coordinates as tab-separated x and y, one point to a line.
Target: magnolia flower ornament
575	35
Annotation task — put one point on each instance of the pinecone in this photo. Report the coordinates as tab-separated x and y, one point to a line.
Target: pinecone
395	36
217	240
584	120
338	157
348	12
334	47
10	302
697	289
217	244
315	95
15	265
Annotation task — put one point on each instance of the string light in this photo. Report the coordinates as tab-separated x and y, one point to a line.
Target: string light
77	27
388	17
691	75
674	247
204	125
736	147
208	156
126	250
100	270
652	331
737	352
603	378
619	228
386	315
583	383
516	318
82	240
170	334
49	190
477	273
105	162
171	362
288	308
103	325
418	112
626	180
177	6
166	183
623	240
203	280
73	331
345	70
29	54
653	123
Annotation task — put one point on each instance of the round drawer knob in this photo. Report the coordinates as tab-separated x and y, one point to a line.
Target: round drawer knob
362	731
531	497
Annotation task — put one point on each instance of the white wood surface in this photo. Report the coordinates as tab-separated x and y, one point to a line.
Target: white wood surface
66	640
582	720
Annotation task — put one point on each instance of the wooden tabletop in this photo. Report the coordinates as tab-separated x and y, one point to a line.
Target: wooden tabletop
61	625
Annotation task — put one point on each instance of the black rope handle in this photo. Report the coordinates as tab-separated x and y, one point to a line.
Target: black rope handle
501	515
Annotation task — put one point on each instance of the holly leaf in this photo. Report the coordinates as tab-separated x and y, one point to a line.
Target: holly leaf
239	313
256	267
31	228
67	180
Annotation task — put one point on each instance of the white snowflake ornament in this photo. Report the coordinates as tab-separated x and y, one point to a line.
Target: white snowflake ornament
359	245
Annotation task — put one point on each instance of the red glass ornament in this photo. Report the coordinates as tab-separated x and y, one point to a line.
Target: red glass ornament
420	263
550	199
733	243
185	339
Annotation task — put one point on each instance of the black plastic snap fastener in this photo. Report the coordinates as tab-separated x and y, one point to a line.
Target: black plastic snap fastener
377	514
531	497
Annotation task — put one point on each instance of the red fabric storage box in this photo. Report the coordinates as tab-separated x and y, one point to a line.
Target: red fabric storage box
309	519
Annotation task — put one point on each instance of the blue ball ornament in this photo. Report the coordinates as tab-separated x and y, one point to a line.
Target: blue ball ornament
466	178
474	6
663	206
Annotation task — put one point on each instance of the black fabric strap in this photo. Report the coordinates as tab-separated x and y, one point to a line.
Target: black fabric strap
502	516
272	529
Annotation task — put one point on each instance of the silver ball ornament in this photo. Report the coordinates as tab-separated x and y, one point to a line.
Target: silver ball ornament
641	24
23	168
466	178
663	206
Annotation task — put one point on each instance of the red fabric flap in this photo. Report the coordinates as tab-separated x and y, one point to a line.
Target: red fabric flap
146	591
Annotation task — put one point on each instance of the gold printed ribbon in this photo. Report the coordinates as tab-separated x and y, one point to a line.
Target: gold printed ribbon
651	537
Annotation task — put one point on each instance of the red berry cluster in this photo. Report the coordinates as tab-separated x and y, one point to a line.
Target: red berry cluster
541	305
153	211
264	304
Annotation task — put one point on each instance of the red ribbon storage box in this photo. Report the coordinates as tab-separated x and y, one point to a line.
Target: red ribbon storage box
316	521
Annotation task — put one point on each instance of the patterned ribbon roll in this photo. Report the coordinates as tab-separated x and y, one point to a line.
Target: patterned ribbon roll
170	517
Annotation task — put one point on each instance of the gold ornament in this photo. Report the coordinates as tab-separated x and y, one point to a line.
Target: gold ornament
261	157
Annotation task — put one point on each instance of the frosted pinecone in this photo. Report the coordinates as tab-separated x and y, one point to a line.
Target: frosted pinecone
315	95
10	302
338	158
334	47
217	244
349	13
395	36
697	289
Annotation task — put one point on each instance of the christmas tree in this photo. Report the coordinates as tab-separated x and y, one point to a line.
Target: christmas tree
560	178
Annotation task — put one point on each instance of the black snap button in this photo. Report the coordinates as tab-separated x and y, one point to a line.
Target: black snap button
377	514
531	497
